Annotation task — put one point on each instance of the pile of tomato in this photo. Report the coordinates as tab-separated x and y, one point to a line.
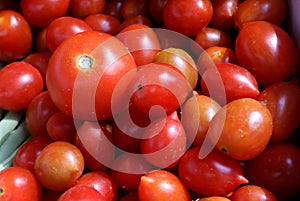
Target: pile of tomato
152	100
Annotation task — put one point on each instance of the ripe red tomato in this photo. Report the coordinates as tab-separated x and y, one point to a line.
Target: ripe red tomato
189	23
15	36
103	23
82	76
59	165
267	51
84	8
113	8
157	9
20	184
213	198
20	82
252	193
138	19
78	193
161	185
132	8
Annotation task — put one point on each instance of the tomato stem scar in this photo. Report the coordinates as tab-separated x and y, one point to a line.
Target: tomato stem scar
85	62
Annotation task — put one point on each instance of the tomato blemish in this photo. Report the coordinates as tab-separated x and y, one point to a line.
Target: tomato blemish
223	149
139	86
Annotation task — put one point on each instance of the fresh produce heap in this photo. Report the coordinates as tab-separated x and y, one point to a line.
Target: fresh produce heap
148	100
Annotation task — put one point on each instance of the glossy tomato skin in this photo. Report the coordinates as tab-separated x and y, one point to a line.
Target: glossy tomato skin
113	8
138	19
82	9
161	185
18	183
15	36
277	170
189	23
103	23
265	49
213	198
84	87
252	193
20	83
133	8
282	99
157	9
215	174
77	193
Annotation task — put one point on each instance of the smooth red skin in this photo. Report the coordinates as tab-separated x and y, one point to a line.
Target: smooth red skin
100	181
57	30
252	193
274	11
164	142
277	170
84	8
39	13
127	170
79	193
61	127
133	8
131	196
268	62
156	10
28	152
213	198
15	36
20	83
216	174
103	23
59	165
139	19
40	109
94	141
222	16
238	82
209	37
113	8
162	185
40	41
189	23
20	184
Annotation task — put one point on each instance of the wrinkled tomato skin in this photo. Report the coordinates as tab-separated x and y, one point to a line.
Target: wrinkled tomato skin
282	99
252	193
267	51
15	36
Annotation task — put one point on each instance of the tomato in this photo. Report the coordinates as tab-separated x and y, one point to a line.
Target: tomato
83	8
40	41
138	19
78	193
274	11
39	13
213	198
103	23
20	83
26	155
113	8
100	181
59	165
162	185
131	8
189	23
265	49
156	10
20	184
57	30
15	36
252	193
238	83
84	87
215	174
277	170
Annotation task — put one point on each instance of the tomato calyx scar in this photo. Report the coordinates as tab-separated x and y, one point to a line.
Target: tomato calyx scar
85	62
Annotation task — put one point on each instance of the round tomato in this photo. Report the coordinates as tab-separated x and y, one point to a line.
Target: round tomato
84	8
214	198
77	193
103	23
132	8
113	8
252	193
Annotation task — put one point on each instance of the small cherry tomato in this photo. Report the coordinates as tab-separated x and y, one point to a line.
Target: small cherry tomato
139	19
213	198
78	193
252	193
132	8
113	8
103	23
157	9
131	196
84	8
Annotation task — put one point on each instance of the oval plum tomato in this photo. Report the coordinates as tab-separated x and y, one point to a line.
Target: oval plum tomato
79	193
157	9
161	185
238	82
215	174
20	184
103	23
189	23
39	13
28	152
57	30
252	193
40	109
133	8
83	72
15	36
274	11
84	8
236	127
59	165
267	51
213	198
277	170
282	99
20	83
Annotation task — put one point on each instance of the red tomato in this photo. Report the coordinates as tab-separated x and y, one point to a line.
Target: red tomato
277	170
215	174
20	184
59	165
104	23
40	13
20	82
189	23
132	8
214	198
139	19
84	87
252	193
49	195
267	51
15	36
57	30
79	193
157	9
161	185
113	8
84	8
40	40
